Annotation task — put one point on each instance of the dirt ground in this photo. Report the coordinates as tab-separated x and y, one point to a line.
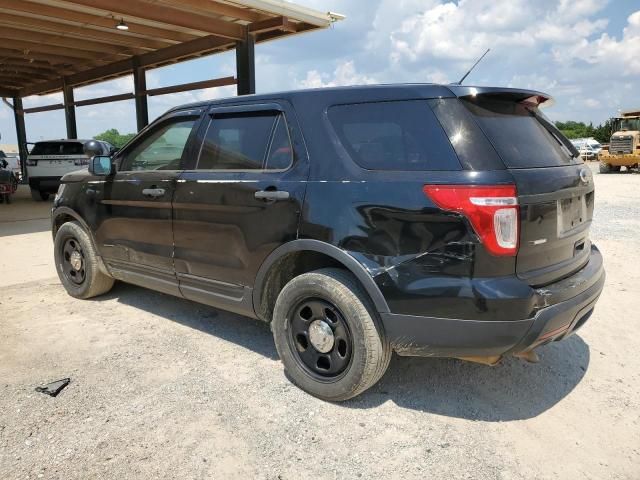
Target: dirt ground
166	388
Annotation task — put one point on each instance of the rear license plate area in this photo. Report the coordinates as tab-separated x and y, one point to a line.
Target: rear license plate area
572	212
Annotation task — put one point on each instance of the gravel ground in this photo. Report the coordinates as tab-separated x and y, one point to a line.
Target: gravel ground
165	388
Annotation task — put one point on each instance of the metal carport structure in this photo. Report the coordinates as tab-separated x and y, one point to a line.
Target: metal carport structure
48	46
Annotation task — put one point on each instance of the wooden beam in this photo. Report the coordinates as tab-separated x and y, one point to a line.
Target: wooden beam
123	67
56	14
107	99
12	83
185	87
70	53
66	42
16	65
166	15
222	9
30	23
69	111
45	108
187	49
23	75
53	59
276	23
8	92
119	68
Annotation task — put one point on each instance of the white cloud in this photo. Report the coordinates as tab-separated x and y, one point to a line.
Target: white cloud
344	74
616	56
572	49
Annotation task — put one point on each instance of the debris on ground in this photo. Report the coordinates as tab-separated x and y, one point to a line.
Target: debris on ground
54	388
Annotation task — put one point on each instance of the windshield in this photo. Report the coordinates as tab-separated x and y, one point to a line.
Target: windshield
58	148
521	134
628	124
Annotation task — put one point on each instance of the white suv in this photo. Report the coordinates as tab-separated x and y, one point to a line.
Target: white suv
49	160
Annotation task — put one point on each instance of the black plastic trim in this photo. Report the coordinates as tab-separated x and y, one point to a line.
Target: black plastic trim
332	251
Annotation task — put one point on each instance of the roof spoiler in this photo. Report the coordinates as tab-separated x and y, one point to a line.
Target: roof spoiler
531	97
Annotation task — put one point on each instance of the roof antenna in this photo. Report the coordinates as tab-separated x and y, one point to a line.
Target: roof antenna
459	82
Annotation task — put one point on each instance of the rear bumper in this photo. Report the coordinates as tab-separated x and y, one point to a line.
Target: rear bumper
561	316
45	184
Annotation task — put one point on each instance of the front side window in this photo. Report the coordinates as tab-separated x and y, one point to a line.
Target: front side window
248	141
162	148
400	135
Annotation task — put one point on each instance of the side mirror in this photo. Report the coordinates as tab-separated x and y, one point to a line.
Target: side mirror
101	166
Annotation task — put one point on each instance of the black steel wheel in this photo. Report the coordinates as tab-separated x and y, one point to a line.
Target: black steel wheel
320	336
73	261
77	263
328	335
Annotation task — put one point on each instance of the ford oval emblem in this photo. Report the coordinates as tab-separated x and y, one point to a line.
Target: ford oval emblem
584	175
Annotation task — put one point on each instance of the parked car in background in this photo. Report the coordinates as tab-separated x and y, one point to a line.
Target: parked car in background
13	162
357	221
587	153
50	160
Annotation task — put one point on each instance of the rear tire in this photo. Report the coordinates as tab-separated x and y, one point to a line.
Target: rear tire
77	263
605	167
358	352
39	196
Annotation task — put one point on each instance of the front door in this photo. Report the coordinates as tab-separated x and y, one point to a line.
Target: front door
135	235
238	201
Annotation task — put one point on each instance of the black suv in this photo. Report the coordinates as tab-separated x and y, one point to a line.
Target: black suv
430	220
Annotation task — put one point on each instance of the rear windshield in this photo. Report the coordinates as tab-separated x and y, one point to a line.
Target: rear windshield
402	135
58	148
522	135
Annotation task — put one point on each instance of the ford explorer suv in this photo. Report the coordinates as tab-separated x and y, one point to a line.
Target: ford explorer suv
50	160
428	220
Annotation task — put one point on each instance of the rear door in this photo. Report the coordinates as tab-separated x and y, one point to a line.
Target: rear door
555	188
134	214
238	201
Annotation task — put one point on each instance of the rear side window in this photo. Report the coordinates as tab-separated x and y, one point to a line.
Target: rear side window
474	150
252	141
58	148
522	136
403	135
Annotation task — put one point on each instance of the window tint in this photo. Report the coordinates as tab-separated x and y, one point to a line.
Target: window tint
58	148
474	150
160	149
522	136
237	143
401	135
280	152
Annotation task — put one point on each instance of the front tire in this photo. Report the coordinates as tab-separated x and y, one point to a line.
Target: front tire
605	167
77	263
328	335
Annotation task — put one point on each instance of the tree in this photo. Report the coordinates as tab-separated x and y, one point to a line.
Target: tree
572	129
114	137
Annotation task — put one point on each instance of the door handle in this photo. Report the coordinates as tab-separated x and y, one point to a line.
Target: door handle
153	192
271	195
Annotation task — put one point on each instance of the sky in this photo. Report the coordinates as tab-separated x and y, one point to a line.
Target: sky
585	53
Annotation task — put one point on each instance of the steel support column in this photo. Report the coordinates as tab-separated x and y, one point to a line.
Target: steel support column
69	111
21	134
139	90
246	65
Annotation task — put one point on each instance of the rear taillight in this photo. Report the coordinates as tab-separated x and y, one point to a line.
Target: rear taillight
492	211
80	162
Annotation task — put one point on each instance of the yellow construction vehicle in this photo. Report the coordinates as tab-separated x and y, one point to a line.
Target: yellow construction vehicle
624	147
